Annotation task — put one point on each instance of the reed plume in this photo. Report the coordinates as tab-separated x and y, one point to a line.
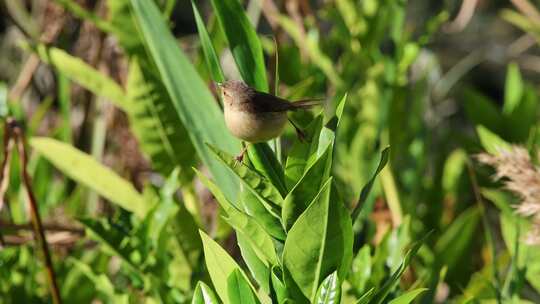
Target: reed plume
520	176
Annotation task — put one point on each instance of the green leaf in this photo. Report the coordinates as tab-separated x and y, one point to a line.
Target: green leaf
301	151
114	239
123	26
243	42
319	243
160	132
513	89
191	98
524	256
77	10
298	199
330	290
101	282
259	268
329	131
408	297
84	169
239	289
456	238
367	187
258	184
361	269
212	60
264	161
366	297
279	291
84	74
260	241
311	45
381	294
220	266
482	111
491	142
203	295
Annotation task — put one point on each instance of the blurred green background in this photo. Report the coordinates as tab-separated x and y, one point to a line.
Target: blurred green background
437	81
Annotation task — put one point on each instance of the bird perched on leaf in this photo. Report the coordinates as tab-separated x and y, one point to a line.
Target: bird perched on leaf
254	116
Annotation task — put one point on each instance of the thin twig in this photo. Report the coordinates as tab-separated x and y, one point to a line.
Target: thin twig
4	169
464	16
39	233
46	227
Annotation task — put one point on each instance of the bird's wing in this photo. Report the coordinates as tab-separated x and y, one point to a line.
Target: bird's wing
264	102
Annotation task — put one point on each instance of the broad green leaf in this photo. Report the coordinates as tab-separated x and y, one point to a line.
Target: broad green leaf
264	161
84	169
513	89
212	60
239	289
220	266
367	187
330	290
260	241
457	237
329	131
161	134
84	74
203	295
319	243
259	268
243	42
254	207
408	297
383	292
299	198
258	184
491	142
301	151
191	98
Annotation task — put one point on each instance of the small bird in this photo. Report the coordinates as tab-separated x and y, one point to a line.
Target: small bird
255	116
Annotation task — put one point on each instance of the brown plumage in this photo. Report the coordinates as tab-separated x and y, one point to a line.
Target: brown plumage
255	116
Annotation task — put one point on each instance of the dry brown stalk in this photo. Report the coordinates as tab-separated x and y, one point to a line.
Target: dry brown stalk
15	134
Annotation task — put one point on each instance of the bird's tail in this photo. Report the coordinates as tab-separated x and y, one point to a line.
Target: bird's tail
306	103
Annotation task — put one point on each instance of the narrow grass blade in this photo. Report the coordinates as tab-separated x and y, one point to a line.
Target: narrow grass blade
191	98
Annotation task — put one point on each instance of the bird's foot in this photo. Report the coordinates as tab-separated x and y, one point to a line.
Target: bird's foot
240	157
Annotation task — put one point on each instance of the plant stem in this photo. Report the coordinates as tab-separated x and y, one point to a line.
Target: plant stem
36	219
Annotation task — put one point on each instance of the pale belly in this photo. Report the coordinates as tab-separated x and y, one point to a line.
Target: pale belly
255	128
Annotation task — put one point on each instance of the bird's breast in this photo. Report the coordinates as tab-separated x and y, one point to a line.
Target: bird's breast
255	127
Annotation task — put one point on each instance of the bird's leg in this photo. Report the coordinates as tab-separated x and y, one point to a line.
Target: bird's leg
301	135
240	157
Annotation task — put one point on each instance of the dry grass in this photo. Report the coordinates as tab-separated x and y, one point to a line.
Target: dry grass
515	167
